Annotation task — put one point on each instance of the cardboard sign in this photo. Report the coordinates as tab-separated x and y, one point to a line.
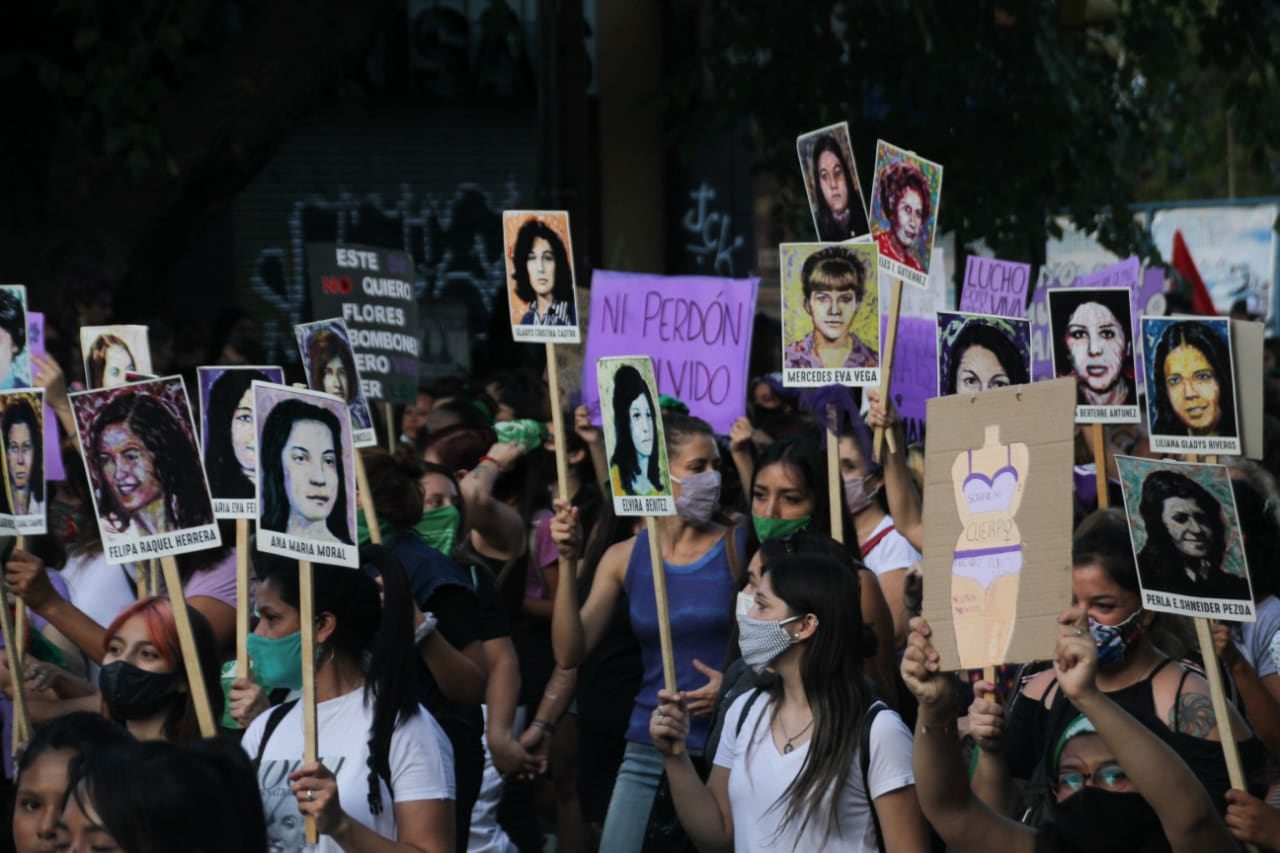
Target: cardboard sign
541	290
1191	394
995	287
53	469
1247	343
977	352
831	183
905	195
15	354
830	314
1093	343
138	442
25	497
330	365
113	352
997	499
306	489
228	436
1186	535
373	291
696	330
639	473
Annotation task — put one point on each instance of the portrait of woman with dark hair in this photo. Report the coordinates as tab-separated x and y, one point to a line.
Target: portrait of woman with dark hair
832	183
331	368
13	338
905	205
1190	381
146	468
23	456
230	445
834	281
1093	342
304	480
635	467
543	275
979	353
1186	539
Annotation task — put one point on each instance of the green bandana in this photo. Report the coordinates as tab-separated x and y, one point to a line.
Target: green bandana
526	433
437	527
777	528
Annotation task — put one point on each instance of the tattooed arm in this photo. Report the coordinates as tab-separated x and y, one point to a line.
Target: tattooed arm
1190	710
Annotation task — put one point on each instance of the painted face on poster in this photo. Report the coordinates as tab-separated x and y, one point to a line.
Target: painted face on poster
1092	330
830	314
1186	532
228	436
15	358
977	352
1191	395
22	434
540	283
143	462
306	475
113	352
904	208
639	472
831	183
330	365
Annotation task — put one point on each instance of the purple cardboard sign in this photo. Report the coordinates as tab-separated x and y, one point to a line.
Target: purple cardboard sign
53	469
697	330
915	351
995	287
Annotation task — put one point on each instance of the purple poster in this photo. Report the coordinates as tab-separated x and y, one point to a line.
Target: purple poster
53	469
995	287
697	330
915	352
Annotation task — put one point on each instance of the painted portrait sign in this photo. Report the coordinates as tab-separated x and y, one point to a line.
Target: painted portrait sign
639	472
830	314
831	183
22	438
330	365
15	356
139	446
228	437
1093	342
905	195
1191	394
540	284
306	487
977	352
113	352
997	523
1186	535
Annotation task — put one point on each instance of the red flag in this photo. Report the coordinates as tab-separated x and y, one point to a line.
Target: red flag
1201	303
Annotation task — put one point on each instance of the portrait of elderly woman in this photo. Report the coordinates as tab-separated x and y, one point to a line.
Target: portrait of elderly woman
834	281
978	353
1093	342
635	467
1189	379
905	208
13	339
21	429
331	367
832	184
1186	539
146	469
543	276
304	477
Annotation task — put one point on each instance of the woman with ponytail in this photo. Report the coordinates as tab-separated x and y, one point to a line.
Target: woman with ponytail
386	779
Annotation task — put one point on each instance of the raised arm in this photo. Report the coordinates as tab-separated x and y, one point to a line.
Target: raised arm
499	527
904	500
594	439
28	579
574	632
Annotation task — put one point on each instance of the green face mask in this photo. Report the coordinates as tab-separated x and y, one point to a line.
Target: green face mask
277	662
776	528
439	528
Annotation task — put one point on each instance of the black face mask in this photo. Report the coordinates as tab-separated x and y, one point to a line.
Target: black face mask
1101	821
135	694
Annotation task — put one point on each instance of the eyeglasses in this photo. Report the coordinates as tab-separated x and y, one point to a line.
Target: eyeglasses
1109	777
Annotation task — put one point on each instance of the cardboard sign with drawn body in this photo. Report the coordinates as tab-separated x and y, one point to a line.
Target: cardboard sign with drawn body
540	282
639	472
1191	394
830	314
1186	535
25	495
228	438
997	522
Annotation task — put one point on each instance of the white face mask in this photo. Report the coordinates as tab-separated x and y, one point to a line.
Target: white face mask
761	641
855	493
745	600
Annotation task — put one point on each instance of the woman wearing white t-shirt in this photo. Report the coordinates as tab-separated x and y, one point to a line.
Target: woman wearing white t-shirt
788	745
385	781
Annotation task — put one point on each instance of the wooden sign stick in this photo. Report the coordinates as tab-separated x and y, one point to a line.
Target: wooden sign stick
242	598
187	642
557	436
366	500
834	481
21	722
20	615
1100	464
307	616
389	412
886	368
664	615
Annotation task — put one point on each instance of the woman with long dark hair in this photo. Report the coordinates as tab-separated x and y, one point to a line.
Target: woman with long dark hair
1194	391
543	277
230	453
786	775
979	354
297	421
333	371
634	468
838	210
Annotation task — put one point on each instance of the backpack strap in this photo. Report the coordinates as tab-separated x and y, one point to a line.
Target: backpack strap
746	709
864	758
273	720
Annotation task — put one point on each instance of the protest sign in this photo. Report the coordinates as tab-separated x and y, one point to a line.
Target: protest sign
914	373
329	362
372	290
1093	342
696	329
978	352
227	435
997	503
53	469
15	355
831	183
995	287
541	291
830	314
905	193
113	352
639	472
1191	393
22	463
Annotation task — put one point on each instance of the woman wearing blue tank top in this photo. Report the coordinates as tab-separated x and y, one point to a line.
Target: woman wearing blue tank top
700	569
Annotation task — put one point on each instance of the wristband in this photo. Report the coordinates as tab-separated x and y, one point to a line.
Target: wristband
426	629
488	458
949	726
543	724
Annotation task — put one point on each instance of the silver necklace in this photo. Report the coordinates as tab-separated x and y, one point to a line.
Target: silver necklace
787	748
